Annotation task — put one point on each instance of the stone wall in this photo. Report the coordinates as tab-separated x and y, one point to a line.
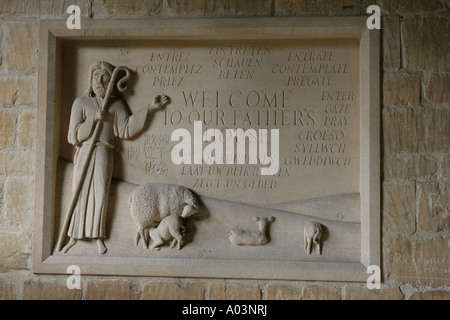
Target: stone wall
415	150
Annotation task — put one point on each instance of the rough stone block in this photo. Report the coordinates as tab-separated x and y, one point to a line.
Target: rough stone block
19	201
7	129
416	262
433	206
432	127
411	6
401	90
321	293
15	250
437	89
219	8
412	131
2	191
112	290
391	43
432	295
16	162
283	292
26	129
426	43
135	8
39	290
399	131
7	291
21	44
223	291
173	291
399	208
47	8
410	167
445	167
363	293
17	91
310	7
1	41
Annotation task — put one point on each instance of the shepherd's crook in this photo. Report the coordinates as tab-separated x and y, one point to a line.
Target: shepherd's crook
77	190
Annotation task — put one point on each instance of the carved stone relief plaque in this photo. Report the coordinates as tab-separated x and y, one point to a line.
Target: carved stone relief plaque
164	140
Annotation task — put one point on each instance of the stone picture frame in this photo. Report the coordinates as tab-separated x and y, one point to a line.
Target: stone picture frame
54	34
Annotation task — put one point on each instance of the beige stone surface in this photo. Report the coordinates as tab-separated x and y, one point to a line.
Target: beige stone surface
433	295
391	43
299	7
412	6
363	293
419	262
309	292
233	291
112	290
48	290
399	207
15	250
7	128
43	8
1	53
433	207
7	291
432	130
399	131
436	90
14	161
19	202
185	290
283	292
401	90
320	292
26	129
426	43
21	40
113	8
423	131
445	167
411	167
218	8
16	90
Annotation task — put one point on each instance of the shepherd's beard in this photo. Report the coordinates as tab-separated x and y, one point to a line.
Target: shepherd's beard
99	90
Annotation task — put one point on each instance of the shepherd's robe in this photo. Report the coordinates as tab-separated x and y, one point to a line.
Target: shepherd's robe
89	214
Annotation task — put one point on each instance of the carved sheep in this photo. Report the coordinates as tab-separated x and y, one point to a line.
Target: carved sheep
240	236
171	227
151	203
312	232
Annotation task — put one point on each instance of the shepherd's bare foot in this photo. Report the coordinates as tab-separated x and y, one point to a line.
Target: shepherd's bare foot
71	243
101	246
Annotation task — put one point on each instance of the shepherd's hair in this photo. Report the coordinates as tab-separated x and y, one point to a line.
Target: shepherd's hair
98	66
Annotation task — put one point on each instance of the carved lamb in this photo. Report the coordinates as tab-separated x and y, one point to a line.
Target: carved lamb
312	232
151	203
240	236
171	227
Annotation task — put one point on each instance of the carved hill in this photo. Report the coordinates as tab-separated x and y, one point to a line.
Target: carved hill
207	233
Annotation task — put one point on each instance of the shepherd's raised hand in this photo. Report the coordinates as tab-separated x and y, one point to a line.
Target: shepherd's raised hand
159	102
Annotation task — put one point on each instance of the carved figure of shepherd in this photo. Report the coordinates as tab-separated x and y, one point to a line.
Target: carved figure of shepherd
96	120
